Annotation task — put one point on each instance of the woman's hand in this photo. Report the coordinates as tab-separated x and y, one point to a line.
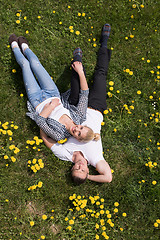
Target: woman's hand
49	107
78	67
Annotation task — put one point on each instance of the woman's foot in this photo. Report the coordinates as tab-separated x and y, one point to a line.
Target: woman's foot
23	43
13	41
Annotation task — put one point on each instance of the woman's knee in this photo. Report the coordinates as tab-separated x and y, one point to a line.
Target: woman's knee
23	62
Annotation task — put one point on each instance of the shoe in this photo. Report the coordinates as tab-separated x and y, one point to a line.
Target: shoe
106	29
21	40
77	51
13	38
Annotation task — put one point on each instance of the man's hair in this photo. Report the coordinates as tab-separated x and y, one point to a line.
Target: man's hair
79	180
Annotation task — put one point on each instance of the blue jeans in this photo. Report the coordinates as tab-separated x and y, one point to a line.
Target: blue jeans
46	88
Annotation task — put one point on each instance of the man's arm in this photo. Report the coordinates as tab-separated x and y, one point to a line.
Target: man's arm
105	174
49	142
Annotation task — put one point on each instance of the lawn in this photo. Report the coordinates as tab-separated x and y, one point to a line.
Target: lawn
38	198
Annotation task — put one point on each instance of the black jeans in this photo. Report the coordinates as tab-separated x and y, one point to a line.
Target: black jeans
97	94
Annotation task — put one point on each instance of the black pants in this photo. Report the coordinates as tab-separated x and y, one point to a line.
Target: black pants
97	94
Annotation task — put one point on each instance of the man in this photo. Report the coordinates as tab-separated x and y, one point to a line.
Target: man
80	153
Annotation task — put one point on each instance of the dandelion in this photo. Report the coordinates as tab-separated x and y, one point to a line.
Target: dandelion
116	210
79	14
124	214
148	61
138	92
131	36
97	236
126	38
154	182
13	159
102	123
6	157
130	73
69	6
71	222
21	95
60	22
121	229
116	204
132	16
44	217
39	17
13	70
94	45
27	31
25	18
142	6
134	5
111	83
43	237
54	11
83	14
40	184
155	224
18	21
31	223
69	228
77	32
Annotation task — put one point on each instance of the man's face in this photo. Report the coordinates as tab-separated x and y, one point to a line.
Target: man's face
80	168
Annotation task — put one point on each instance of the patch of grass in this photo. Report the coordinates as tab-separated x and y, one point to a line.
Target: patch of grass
130	134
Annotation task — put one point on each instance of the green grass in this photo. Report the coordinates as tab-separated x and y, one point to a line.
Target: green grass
127	149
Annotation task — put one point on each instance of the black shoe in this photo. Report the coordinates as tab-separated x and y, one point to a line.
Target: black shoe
13	38
106	29
21	40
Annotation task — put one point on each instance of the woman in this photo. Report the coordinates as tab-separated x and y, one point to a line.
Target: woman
45	106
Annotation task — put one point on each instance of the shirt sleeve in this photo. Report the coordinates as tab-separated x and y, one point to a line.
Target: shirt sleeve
60	152
83	103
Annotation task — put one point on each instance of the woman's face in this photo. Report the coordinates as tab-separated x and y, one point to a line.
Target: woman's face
79	132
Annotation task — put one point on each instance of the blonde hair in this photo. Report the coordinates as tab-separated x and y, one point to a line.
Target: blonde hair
90	136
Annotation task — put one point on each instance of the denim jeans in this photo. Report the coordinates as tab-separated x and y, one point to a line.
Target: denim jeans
40	89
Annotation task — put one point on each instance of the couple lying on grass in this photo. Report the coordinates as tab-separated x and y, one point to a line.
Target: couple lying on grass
75	115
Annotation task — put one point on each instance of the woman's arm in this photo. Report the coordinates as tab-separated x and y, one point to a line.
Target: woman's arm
49	107
78	67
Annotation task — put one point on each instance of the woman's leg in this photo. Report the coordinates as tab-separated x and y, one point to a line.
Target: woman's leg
44	79
32	88
97	95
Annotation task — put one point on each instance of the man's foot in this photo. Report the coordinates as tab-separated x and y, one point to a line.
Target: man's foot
13	38
77	51
77	55
23	43
106	29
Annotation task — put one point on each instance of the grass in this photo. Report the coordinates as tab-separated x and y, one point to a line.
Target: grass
130	135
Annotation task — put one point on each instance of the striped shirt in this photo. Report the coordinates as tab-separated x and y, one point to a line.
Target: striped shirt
55	129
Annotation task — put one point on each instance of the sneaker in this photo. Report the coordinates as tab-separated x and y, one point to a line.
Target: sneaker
13	38
106	29
77	51
21	40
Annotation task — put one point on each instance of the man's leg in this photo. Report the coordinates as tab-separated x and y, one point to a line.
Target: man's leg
75	82
97	95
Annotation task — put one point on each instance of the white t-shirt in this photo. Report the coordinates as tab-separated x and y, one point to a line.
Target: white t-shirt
92	150
57	112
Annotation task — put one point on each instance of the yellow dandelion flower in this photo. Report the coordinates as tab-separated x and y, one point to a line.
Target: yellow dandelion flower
79	14
18	21
130	73
69	228
134	5
132	16
6	157
116	210
116	204
25	18
18	14
69	6
40	184
13	159
77	32
31	223
126	38
111	83
71	222
155	224
43	237
102	123
154	182
44	217
39	17
131	36
13	70
54	11
83	14
142	6
124	214
94	45
27	31
138	92
148	61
